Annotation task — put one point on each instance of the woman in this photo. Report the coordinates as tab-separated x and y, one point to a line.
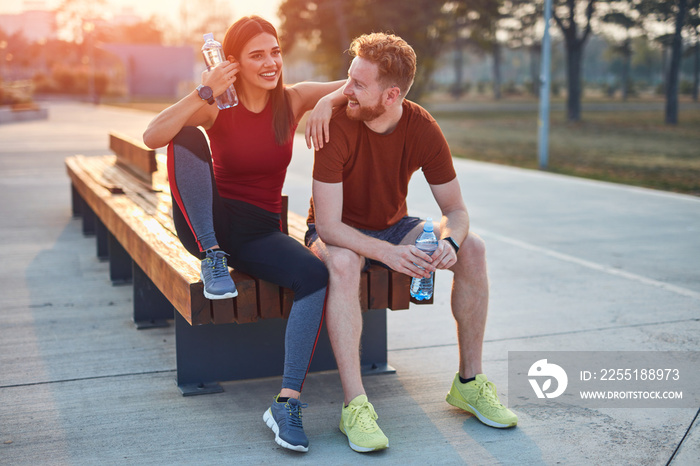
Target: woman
229	210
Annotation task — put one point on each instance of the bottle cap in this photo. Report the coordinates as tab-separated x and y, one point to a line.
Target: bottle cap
208	36
428	224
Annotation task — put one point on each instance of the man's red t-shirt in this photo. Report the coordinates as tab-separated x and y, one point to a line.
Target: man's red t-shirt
375	168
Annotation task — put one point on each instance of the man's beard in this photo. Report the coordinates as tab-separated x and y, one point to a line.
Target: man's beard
365	113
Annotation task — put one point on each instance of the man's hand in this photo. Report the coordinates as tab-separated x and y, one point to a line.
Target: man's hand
408	259
444	256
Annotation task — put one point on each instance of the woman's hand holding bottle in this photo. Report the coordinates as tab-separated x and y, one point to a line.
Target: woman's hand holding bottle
221	76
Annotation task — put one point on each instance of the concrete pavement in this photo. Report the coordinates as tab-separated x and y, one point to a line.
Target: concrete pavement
574	265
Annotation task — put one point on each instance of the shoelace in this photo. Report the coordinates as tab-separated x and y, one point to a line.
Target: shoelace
216	270
363	414
294	412
488	391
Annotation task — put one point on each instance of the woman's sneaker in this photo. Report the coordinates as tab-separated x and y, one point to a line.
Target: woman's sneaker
285	421
358	422
218	283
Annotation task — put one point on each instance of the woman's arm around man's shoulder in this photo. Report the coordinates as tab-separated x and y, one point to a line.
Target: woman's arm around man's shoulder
321	97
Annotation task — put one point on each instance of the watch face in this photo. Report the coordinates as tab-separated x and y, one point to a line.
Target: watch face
205	93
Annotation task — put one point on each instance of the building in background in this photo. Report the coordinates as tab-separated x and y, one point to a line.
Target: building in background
155	70
35	22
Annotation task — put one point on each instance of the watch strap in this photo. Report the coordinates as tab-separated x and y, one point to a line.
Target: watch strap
452	243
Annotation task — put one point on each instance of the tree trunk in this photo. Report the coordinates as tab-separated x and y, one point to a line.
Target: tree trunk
496	70
627	59
573	69
674	69
457	88
343	37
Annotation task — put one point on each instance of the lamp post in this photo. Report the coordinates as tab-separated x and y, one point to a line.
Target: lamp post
545	79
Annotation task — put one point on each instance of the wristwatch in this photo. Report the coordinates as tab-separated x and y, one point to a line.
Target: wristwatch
205	93
452	242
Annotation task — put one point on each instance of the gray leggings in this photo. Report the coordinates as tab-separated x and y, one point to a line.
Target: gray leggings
253	238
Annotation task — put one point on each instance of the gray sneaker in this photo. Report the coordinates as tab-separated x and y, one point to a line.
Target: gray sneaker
285	421
218	283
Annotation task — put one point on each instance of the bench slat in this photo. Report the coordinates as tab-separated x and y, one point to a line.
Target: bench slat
133	154
269	300
247	300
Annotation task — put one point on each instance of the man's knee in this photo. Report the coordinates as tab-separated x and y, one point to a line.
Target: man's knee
344	265
472	254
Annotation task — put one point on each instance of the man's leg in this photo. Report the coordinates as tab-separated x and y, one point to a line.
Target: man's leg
343	313
470	301
344	324
470	296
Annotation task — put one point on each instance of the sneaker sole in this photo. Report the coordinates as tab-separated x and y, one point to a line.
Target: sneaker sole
469	408
269	419
220	296
208	295
360	449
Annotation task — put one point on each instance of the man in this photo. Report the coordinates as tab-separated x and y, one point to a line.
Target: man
359	212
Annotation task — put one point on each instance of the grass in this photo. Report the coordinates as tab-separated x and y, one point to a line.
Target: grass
622	146
617	143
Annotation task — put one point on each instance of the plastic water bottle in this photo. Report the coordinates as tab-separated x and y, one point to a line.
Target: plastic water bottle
213	55
422	288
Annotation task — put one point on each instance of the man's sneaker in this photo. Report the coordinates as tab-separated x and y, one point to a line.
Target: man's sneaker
285	421
479	398
218	283
358	422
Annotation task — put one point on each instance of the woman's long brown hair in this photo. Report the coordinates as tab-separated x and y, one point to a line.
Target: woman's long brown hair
237	36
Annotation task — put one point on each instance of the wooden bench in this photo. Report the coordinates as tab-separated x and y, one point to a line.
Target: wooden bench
124	201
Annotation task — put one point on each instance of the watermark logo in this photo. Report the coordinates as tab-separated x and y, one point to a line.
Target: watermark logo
604	379
541	369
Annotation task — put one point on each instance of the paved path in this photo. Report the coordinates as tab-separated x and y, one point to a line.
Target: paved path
574	265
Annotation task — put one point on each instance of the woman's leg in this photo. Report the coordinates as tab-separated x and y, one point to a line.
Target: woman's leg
196	205
282	260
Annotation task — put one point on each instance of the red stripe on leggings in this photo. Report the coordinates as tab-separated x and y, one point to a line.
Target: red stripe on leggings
320	325
176	193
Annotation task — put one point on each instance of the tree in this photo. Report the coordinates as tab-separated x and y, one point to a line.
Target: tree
673	15
564	13
694	27
143	32
75	18
526	17
623	15
327	27
675	67
478	22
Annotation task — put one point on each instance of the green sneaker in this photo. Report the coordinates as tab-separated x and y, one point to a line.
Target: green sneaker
358	422
479	398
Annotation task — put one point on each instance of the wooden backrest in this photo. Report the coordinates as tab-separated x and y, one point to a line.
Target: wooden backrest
133	155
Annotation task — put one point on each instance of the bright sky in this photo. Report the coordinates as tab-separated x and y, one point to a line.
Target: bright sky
168	8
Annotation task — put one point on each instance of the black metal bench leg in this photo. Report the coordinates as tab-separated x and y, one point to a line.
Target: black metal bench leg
76	201
119	262
373	356
151	307
88	219
207	354
102	239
